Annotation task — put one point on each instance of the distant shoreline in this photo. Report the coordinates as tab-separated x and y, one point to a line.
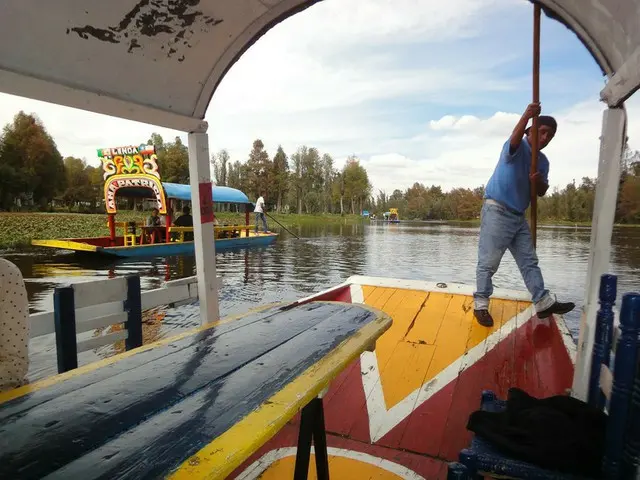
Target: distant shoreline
17	229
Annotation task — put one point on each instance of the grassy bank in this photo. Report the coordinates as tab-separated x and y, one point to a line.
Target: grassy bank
18	229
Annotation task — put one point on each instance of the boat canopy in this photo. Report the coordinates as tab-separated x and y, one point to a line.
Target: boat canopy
176	53
220	194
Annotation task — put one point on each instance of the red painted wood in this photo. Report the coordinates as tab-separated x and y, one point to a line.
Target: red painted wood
525	372
340	380
348	404
99	241
533	358
554	363
423	430
427	467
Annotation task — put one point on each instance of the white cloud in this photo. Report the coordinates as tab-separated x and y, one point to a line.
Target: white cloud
371	78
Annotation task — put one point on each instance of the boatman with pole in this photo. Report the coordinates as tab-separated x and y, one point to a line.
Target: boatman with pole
503	222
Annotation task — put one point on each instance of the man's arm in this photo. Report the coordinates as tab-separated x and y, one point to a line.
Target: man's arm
532	110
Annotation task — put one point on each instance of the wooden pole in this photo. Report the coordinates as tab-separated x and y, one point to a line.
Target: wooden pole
534	129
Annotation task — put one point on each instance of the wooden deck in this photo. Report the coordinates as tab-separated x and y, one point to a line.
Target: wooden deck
401	411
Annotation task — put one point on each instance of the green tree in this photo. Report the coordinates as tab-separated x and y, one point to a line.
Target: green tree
27	151
78	183
259	169
220	163
356	183
280	176
174	162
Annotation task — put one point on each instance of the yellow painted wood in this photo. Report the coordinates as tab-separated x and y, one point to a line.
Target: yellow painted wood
430	319
380	297
399	372
451	340
405	371
225	453
339	468
65	244
430	331
367	291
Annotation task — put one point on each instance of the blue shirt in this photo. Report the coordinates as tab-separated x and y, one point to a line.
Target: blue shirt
510	184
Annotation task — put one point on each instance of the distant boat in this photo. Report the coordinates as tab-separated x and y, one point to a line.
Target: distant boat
133	172
391	216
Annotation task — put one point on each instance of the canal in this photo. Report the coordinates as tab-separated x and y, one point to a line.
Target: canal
324	256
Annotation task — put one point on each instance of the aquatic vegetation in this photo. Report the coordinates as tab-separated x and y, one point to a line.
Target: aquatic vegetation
18	229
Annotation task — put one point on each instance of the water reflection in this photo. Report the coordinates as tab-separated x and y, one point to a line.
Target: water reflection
327	255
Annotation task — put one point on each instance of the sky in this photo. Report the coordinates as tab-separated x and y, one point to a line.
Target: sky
420	91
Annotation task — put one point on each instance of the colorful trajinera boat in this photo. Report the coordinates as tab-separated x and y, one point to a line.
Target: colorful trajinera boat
391	216
396	402
132	171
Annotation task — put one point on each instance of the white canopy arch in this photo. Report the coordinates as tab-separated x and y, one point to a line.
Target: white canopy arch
160	61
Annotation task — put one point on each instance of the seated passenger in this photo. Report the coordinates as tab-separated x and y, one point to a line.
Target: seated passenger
154	227
185	220
14	327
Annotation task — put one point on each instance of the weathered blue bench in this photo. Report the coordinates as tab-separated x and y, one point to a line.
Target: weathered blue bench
614	386
193	406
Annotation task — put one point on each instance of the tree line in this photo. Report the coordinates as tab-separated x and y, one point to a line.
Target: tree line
34	175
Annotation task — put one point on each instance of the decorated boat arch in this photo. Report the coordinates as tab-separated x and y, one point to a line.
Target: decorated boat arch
132	172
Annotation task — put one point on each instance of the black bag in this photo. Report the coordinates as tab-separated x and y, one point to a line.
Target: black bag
557	433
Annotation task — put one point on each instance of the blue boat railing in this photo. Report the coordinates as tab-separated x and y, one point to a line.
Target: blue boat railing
84	307
172	293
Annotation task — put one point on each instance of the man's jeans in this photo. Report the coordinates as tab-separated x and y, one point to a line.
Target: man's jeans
259	216
501	229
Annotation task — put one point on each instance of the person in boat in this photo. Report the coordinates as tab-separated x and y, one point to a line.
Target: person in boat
185	220
154	225
503	223
14	327
259	211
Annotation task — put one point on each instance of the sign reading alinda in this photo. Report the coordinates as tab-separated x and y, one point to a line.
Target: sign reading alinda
131	167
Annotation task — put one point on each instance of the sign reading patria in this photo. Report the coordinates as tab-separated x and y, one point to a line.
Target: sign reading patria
131	167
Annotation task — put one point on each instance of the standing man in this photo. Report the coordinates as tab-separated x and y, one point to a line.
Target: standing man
259	211
503	223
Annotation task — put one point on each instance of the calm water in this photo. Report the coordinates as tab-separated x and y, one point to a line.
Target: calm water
324	256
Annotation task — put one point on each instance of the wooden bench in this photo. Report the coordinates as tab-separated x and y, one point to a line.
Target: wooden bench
193	406
612	383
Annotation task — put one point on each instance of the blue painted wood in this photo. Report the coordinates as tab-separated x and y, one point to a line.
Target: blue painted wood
143	415
625	364
64	314
185	248
481	456
457	471
603	337
133	307
631	454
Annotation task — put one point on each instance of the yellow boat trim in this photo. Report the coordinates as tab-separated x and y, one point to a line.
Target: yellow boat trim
47	382
224	454
65	244
430	331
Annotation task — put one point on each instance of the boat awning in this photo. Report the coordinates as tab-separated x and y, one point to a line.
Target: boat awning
160	62
220	194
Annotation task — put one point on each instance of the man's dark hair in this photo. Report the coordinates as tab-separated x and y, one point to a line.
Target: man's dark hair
185	210
545	120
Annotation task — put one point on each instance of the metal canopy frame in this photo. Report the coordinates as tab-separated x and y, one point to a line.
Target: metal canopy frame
160	62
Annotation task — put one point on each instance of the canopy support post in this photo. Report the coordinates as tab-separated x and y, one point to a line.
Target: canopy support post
609	170
202	212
